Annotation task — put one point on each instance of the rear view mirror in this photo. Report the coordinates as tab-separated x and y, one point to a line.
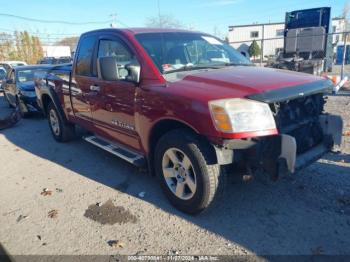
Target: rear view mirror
9	81
107	68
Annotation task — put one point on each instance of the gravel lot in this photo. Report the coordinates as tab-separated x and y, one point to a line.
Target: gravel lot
308	213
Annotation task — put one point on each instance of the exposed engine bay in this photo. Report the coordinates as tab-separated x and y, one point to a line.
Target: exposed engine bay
306	132
299	118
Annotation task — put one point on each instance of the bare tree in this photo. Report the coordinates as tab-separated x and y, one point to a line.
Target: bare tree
6	47
69	41
164	21
20	46
217	32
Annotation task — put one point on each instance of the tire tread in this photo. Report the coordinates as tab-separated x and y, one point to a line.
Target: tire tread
215	173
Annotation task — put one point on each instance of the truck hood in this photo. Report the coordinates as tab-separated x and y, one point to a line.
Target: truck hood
248	81
26	86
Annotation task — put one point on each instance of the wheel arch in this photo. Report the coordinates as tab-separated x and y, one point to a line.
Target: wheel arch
47	98
166	125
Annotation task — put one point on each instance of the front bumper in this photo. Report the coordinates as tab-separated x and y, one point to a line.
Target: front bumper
278	155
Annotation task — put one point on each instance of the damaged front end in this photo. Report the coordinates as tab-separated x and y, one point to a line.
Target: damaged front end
306	132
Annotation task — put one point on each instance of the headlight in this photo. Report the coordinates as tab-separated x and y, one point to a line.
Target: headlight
28	93
241	115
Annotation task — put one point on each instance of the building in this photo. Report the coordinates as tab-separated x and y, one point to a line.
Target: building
241	36
338	26
56	51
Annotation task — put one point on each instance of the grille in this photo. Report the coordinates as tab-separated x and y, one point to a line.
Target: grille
299	118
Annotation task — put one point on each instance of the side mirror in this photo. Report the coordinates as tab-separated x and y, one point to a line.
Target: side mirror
134	70
107	68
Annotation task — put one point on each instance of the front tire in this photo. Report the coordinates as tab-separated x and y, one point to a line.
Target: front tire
188	171
61	131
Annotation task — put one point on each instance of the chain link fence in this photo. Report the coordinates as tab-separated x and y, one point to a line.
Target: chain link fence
306	51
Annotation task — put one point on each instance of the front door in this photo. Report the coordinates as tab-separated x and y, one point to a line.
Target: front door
113	108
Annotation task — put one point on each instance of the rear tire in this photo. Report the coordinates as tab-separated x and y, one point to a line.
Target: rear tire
188	171
61	131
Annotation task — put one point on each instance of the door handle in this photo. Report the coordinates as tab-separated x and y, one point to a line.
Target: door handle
95	88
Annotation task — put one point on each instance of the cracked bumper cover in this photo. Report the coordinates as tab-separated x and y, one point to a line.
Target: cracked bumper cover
277	155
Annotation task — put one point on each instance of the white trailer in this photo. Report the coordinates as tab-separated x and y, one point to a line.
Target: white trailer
56	51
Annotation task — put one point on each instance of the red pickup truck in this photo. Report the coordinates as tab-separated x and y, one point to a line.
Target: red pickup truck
187	106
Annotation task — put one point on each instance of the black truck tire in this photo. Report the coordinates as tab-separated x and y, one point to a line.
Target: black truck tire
206	174
61	131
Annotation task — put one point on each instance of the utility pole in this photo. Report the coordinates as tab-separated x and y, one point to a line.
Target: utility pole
159	15
114	20
345	36
262	45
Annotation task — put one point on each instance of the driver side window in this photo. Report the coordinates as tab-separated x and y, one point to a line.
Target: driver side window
114	48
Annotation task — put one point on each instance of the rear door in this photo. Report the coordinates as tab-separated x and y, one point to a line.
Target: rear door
113	109
83	78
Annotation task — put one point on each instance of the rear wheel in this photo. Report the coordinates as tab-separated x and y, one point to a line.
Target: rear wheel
187	170
61	131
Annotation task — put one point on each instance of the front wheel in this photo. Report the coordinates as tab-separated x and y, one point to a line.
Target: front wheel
61	131
187	170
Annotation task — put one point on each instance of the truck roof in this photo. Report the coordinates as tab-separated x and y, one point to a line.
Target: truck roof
142	30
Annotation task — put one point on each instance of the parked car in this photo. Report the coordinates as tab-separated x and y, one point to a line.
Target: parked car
188	106
8	65
2	77
55	60
19	89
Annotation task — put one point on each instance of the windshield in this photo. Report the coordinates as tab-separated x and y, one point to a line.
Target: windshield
17	64
181	51
25	76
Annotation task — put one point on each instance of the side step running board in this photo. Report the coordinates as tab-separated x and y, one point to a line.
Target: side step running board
118	150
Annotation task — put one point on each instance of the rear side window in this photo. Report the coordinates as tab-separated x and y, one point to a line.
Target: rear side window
85	54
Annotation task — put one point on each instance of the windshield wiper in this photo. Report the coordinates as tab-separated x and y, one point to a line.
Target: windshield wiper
198	67
191	67
237	64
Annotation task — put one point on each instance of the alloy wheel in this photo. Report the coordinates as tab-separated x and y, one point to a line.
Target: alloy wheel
179	173
54	122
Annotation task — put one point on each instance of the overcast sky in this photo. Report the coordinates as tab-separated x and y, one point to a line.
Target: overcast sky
201	15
